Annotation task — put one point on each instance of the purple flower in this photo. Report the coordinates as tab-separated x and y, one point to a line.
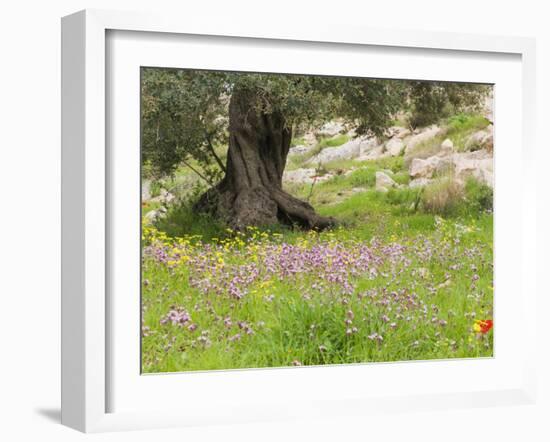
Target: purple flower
177	316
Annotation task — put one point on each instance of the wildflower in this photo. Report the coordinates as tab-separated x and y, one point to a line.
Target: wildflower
483	326
235	337
296	363
322	348
177	316
375	337
192	327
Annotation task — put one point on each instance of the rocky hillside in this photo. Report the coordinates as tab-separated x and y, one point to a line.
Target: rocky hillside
329	164
460	148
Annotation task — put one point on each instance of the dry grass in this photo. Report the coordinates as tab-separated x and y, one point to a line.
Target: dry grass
443	196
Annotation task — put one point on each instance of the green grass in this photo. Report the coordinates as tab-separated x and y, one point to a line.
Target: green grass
291	328
337	140
431	276
310	330
341	185
457	128
297	141
461	126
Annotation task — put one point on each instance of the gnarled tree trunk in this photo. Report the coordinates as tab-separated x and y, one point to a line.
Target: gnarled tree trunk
251	192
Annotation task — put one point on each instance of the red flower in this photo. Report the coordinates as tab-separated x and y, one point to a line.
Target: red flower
483	326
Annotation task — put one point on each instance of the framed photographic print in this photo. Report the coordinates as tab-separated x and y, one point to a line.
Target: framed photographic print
276	223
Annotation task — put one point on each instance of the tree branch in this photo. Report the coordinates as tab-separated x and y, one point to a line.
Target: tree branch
210	183
213	152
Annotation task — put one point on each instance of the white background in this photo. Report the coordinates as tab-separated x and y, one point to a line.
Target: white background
30	215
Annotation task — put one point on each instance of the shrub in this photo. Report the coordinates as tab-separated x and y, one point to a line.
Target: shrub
443	197
181	220
466	122
402	178
155	188
479	196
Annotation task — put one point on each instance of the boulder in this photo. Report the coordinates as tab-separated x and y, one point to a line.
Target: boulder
153	215
305	176
426	168
482	139
478	164
424	135
299	175
300	150
331	129
347	151
384	181
421	168
394	146
374	154
446	147
165	197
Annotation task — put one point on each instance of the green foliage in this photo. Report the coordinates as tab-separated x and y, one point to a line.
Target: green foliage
449	198
155	188
431	101
297	141
185	112
338	140
180	113
181	219
364	177
461	126
479	196
466	123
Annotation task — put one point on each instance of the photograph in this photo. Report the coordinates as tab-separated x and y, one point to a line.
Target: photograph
294	220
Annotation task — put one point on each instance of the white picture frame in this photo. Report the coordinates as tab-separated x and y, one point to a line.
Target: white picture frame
86	210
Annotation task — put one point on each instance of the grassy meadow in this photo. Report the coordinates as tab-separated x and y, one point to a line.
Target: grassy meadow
406	275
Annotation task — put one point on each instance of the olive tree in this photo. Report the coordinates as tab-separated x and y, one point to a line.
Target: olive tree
186	114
